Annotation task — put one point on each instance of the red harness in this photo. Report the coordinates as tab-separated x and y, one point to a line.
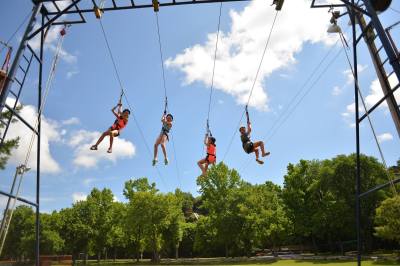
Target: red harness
211	153
119	124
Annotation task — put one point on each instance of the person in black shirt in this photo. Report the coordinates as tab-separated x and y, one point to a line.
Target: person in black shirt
248	145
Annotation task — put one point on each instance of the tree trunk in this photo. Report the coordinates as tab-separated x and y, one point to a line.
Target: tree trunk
98	257
177	251
115	254
226	250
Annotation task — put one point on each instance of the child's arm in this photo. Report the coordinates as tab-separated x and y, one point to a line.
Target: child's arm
248	127
113	110
206	140
163	118
248	122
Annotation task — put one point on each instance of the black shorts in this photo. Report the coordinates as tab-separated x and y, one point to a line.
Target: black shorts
112	129
248	147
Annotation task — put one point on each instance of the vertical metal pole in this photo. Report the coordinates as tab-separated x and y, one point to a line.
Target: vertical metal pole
357	116
38	146
17	58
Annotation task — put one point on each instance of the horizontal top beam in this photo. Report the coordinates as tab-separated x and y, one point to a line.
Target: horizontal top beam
87	7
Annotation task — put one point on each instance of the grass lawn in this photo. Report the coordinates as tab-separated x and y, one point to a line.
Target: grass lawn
267	263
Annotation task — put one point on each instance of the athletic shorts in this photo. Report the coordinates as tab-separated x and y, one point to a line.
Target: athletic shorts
248	147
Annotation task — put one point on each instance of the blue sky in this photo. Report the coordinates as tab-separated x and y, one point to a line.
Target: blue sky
85	89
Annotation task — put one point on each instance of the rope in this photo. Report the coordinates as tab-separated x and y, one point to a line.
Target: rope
32	140
366	111
162	62
166	96
285	114
123	92
252	87
213	71
395	10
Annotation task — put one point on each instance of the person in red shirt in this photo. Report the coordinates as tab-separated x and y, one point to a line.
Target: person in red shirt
115	129
211	157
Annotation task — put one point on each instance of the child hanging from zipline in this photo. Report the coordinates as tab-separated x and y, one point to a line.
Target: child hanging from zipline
248	145
211	157
115	129
166	120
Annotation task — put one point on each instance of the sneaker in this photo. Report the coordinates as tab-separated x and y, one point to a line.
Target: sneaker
154	162
93	148
166	161
259	161
109	150
266	154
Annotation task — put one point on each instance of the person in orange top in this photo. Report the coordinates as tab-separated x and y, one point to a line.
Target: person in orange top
211	157
115	129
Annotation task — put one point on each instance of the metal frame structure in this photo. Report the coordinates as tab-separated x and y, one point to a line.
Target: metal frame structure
52	13
356	11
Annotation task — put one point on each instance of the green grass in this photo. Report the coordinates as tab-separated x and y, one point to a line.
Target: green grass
247	263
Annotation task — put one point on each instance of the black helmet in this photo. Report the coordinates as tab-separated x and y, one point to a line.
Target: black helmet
172	117
127	110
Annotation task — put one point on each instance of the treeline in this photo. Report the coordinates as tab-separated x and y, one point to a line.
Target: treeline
315	209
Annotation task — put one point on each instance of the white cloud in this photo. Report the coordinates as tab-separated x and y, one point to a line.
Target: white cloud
71	73
71	121
78	196
337	91
375	94
241	48
385	137
84	157
349	80
50	133
116	199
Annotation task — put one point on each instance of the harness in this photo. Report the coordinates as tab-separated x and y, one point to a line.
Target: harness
211	152
119	123
165	130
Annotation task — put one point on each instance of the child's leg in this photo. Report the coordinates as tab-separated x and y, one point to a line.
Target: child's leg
105	133
163	141
200	164
261	145
111	142
158	141
206	167
256	151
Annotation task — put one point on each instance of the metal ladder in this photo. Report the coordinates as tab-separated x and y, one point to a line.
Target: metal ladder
7	117
383	69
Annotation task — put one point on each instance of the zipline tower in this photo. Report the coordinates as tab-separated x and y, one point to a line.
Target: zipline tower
380	44
52	13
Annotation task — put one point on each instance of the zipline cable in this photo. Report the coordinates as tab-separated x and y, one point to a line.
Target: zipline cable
125	95
166	97
292	109
366	112
213	71
49	83
288	107
252	87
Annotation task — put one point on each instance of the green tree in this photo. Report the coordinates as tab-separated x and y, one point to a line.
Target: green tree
387	219
50	239
218	192
76	229
19	244
100	205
